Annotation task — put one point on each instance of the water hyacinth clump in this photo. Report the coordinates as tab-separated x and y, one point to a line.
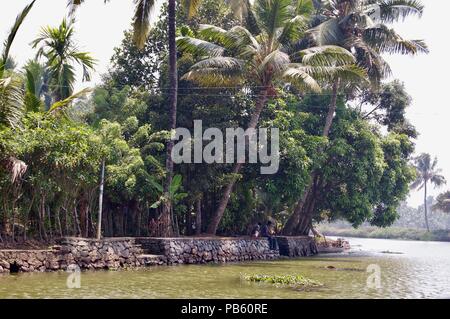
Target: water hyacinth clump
283	280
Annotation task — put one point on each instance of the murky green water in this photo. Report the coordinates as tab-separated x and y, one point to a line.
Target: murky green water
421	271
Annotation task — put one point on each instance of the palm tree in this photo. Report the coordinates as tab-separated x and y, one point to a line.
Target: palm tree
261	62
360	26
427	172
57	46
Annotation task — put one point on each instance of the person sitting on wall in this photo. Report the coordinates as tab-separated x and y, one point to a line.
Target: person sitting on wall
268	232
256	231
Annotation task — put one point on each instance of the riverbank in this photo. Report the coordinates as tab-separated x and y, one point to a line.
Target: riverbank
386	233
117	253
421	271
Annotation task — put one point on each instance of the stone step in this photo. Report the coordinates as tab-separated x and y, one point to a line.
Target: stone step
150	260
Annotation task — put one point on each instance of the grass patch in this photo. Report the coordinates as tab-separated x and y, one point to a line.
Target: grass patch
296	281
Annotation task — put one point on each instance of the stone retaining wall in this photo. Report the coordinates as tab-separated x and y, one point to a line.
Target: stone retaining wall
28	260
85	253
108	253
205	250
115	253
297	246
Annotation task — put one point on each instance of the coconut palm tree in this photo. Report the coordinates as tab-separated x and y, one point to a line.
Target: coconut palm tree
427	172
261	62
58	48
359	26
362	26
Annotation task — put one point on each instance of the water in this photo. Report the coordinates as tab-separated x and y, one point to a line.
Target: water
420	271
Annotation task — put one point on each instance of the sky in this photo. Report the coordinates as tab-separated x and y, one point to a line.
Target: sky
99	29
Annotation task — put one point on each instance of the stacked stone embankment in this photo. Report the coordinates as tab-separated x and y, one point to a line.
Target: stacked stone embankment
119	253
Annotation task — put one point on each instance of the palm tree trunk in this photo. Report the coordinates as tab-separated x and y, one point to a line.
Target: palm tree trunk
425	207
217	217
296	218
198	217
173	78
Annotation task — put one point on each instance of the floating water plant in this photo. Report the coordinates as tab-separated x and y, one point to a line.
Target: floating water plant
283	280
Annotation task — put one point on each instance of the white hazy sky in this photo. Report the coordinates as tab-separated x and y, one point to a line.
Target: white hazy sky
100	28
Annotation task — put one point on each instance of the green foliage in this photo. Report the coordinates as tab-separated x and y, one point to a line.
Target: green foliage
443	202
297	281
363	173
57	46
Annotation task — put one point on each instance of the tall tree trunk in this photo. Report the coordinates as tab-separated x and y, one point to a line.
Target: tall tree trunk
426	206
217	217
296	218
83	209
76	221
43	230
50	227
26	215
166	217
198	217
100	201
58	221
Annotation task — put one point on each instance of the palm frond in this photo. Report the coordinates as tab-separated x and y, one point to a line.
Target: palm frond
417	184
32	102
438	180
386	40
141	21
300	77
395	10
243	38
293	30
216	71
199	47
58	106
350	74
12	35
86	61
276	62
304	7
11	102
328	55
272	15
368	58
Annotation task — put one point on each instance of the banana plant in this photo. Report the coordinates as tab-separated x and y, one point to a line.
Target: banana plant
174	194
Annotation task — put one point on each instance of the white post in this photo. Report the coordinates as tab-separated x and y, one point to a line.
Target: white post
100	202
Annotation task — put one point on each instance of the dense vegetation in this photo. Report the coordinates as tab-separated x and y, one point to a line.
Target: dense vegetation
313	69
